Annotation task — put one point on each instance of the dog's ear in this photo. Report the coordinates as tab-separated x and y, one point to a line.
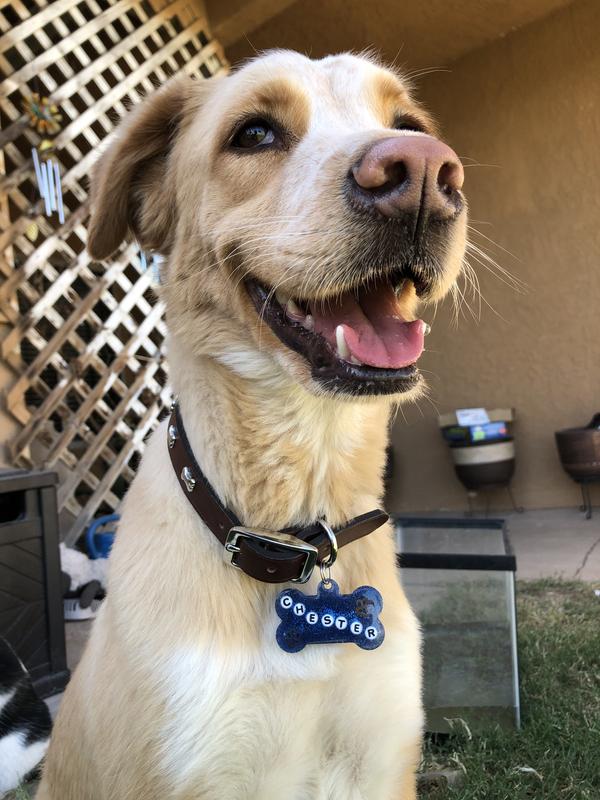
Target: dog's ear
132	190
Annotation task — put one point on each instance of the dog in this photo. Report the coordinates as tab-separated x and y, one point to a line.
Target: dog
304	209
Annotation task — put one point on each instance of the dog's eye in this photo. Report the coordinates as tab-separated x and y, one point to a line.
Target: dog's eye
407	124
256	133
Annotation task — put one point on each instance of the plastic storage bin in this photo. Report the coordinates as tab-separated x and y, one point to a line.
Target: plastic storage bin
458	575
31	608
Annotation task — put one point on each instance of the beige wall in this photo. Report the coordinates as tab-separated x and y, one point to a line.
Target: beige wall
528	104
415	33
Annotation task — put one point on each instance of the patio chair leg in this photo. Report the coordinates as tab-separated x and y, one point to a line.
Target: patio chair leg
470	496
518	509
587	499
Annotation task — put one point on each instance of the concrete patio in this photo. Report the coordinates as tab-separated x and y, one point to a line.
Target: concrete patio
557	542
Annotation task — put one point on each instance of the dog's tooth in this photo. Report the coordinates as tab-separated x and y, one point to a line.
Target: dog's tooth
292	308
427	329
282	297
354	360
308	322
340	340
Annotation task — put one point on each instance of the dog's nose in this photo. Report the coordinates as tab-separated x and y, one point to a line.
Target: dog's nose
405	174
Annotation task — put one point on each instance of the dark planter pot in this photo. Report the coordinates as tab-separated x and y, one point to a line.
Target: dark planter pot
579	450
485	465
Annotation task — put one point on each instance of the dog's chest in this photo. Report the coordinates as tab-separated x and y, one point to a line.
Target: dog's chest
269	724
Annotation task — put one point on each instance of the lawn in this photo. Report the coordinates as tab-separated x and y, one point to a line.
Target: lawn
556	754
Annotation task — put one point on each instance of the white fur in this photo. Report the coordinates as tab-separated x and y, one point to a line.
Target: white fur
80	568
284	757
194	677
18	759
247	363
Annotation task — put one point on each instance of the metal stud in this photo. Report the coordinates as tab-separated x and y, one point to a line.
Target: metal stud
172	436
187	477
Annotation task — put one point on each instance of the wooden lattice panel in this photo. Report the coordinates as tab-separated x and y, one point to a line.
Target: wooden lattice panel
84	340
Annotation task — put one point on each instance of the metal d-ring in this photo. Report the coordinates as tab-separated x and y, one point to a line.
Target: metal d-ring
326	565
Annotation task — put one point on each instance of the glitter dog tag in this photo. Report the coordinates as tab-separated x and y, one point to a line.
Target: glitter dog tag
329	617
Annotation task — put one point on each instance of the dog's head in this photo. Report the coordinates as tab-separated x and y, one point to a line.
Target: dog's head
305	208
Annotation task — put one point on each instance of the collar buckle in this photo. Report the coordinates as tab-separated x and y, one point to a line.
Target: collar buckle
281	541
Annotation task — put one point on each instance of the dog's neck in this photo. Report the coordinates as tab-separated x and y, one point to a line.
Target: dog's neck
275	454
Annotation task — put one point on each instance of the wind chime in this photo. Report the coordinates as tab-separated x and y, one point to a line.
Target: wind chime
45	118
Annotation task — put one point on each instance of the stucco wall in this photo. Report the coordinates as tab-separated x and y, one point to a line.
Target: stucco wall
416	33
529	105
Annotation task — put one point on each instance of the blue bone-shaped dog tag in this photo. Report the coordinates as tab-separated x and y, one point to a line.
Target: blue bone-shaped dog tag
329	617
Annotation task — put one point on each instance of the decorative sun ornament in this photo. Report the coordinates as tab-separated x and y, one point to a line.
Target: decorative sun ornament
44	116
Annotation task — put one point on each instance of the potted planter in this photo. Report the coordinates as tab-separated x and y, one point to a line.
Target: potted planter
579	450
579	453
483	454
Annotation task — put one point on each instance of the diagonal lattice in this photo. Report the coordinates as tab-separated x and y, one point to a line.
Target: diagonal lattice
83	341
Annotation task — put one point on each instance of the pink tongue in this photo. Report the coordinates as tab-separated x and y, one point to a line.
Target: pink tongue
374	331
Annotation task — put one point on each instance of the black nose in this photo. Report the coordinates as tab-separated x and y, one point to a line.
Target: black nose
406	174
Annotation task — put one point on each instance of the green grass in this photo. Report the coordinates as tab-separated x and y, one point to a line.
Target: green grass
22	793
556	754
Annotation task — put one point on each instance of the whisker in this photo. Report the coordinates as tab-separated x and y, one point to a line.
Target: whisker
496	166
465	302
486	261
489	305
415	74
492	242
508	280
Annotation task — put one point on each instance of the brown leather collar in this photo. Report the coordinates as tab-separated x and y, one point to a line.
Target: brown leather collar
272	557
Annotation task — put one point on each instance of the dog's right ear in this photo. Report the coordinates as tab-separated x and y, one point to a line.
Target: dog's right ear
132	185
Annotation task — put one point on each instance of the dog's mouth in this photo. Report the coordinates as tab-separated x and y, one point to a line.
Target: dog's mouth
356	342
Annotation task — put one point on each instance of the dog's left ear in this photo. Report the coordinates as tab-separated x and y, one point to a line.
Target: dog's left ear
133	185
